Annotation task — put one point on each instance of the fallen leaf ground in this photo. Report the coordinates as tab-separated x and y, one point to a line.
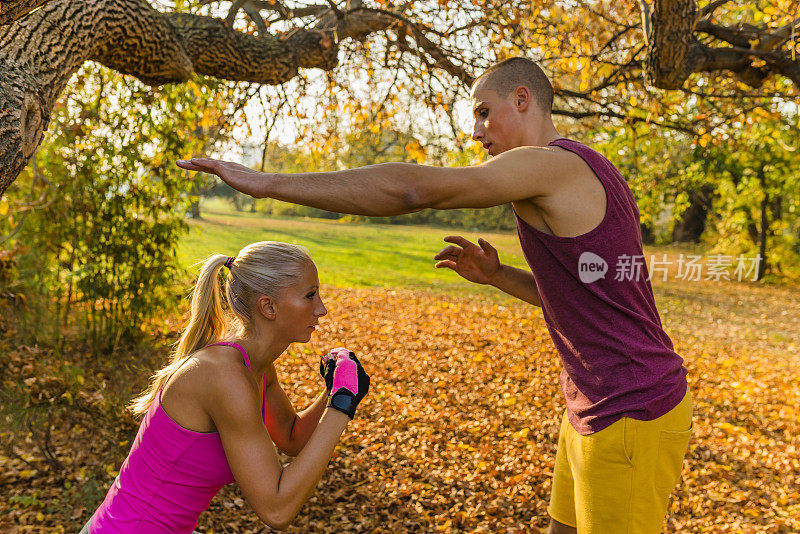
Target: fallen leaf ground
458	432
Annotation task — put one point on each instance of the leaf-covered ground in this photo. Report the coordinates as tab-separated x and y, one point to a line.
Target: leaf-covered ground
458	432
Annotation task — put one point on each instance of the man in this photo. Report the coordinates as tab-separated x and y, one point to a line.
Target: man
628	418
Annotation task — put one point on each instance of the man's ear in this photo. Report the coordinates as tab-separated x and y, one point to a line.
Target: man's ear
522	98
266	307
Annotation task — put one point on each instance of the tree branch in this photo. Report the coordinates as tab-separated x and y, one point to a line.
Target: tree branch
39	54
439	57
723	33
709	8
779	36
11	10
258	20
606	113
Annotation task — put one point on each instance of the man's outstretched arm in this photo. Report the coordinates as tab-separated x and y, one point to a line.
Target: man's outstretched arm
397	188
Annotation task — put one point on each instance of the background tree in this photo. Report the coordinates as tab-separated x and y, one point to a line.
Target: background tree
663	44
103	244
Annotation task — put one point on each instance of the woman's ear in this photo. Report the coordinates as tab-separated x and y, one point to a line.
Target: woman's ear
266	307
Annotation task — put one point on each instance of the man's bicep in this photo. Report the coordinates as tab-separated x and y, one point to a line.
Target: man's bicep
518	174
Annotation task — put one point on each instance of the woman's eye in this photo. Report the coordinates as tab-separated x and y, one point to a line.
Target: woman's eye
483	113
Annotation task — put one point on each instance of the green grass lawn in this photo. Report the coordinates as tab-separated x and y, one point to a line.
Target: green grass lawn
357	254
347	255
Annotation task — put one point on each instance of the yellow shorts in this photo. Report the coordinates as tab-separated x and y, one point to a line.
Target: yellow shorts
618	480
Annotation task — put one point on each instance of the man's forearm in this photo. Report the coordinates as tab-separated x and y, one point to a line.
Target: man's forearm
518	283
378	190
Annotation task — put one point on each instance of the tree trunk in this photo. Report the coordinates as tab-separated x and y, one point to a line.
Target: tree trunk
762	238
648	236
669	34
194	208
689	228
40	52
674	52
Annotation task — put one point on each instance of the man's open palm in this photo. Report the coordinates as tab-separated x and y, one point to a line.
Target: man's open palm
239	177
475	263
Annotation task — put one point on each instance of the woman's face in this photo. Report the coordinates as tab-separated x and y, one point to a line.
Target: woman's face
299	307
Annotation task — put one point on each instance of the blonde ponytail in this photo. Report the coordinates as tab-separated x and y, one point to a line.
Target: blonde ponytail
206	325
263	268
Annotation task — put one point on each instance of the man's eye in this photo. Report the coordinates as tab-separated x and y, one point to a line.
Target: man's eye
311	295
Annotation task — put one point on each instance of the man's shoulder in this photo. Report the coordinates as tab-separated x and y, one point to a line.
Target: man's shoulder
543	161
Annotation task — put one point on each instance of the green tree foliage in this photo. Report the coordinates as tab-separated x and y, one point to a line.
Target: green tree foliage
104	246
745	173
756	168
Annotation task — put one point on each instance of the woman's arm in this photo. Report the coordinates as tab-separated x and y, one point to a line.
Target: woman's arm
275	492
289	430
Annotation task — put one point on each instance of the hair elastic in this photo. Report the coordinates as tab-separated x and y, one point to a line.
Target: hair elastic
230	261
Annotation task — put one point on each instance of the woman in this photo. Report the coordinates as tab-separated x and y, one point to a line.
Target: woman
212	415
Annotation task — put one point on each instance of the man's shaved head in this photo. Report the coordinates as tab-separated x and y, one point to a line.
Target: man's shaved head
507	75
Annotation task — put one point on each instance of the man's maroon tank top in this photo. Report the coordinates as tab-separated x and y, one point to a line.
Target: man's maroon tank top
599	308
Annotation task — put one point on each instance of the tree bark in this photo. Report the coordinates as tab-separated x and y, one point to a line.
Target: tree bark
674	52
16	9
669	34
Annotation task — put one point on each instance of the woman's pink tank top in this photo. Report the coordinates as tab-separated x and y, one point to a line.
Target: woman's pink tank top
168	479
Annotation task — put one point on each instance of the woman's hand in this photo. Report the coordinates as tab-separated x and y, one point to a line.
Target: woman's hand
327	371
477	264
349	383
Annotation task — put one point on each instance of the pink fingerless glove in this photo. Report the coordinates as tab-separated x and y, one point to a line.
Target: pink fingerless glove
327	365
350	382
345	375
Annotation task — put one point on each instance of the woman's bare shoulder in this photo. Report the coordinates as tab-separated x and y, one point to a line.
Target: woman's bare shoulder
213	374
223	367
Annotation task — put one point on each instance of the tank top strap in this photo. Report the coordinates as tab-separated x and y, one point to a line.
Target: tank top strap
241	349
247	363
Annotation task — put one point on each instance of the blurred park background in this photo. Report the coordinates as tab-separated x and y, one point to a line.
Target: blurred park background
101	231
